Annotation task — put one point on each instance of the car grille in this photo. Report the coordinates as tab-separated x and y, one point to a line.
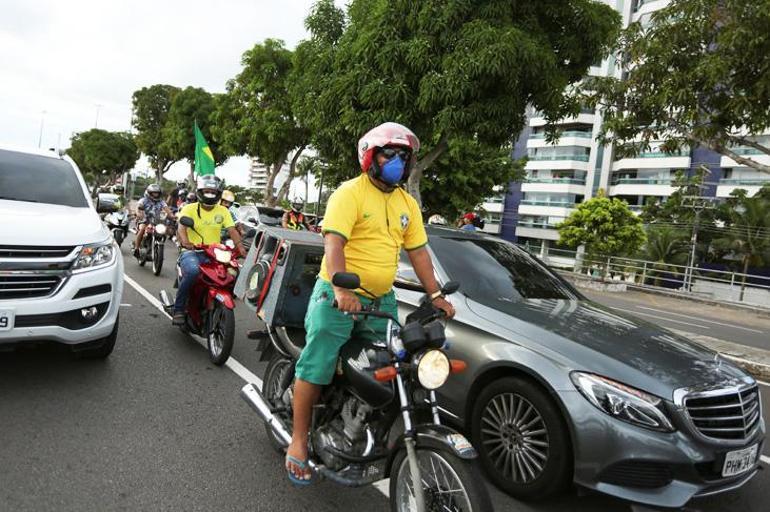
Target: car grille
26	286
637	473
731	415
24	251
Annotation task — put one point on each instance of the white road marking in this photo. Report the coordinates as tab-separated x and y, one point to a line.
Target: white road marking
701	319
237	368
659	318
125	305
764	383
765	459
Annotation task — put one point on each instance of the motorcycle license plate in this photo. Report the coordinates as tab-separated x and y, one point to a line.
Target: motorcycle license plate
6	319
739	461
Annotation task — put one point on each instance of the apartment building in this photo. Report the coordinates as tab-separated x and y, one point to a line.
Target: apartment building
559	176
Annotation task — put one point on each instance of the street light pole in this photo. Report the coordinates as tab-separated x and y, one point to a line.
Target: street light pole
40	136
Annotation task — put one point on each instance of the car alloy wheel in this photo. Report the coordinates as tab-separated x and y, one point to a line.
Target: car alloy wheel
515	437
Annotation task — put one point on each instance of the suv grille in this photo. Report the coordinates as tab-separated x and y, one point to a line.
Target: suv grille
729	415
25	251
25	286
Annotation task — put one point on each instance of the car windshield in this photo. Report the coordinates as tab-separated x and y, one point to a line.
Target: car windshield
268	216
497	274
39	179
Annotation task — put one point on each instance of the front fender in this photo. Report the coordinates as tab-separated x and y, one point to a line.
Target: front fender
223	296
439	437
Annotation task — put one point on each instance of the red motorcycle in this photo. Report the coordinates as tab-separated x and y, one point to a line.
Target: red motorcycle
210	306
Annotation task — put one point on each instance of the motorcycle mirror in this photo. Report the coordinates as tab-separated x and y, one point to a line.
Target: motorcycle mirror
450	288
187	222
346	280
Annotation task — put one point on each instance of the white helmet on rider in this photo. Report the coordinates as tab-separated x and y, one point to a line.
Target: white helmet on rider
399	145
152	192
209	190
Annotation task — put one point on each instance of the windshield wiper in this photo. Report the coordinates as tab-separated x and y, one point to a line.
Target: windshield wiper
19	199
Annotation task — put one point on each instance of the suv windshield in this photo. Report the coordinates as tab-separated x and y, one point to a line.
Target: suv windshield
497	274
39	179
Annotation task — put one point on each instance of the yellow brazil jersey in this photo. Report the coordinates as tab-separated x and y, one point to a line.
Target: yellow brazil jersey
376	226
208	223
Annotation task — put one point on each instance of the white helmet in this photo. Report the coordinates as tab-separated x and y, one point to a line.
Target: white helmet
387	134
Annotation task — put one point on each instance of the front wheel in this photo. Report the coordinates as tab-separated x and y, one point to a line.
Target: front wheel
221	333
157	258
449	483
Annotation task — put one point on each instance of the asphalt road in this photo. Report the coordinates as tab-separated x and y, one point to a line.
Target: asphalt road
157	427
739	326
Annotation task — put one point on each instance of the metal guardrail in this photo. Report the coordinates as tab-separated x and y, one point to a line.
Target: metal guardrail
718	285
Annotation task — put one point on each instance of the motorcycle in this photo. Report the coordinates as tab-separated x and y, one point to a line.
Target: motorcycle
153	243
117	223
211	304
355	438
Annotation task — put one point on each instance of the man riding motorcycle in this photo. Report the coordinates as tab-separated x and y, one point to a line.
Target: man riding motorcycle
368	220
294	218
210	219
149	208
228	198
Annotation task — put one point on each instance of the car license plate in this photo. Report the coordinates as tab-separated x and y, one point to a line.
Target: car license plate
739	461
6	319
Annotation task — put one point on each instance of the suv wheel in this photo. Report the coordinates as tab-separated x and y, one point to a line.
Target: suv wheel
104	349
522	440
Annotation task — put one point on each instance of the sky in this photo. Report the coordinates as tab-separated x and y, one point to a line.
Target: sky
74	64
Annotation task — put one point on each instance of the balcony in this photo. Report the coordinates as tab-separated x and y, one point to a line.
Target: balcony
541	158
641	181
557	204
557	181
536	225
570	133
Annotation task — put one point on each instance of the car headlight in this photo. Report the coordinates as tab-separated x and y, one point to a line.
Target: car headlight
223	256
623	402
95	256
433	369
160	229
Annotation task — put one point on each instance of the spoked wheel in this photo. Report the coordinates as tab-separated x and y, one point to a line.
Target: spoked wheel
221	333
522	440
157	258
278	374
448	482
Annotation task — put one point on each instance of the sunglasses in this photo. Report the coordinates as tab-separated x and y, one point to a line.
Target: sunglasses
391	152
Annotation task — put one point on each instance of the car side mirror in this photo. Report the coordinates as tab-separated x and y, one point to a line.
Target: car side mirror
346	280
450	288
105	207
187	222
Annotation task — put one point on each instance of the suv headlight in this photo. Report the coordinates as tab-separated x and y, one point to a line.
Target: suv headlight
623	402
95	256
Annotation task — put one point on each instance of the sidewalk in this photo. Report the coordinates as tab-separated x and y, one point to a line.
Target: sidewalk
756	361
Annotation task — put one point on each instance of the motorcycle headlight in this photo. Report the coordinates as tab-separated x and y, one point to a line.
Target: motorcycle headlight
160	229
623	402
95	256
223	256
433	369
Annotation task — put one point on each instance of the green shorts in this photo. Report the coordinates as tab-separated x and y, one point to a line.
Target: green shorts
328	329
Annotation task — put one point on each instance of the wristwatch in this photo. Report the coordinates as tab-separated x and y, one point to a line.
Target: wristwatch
436	295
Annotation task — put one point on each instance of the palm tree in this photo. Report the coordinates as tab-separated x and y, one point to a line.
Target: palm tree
748	235
665	247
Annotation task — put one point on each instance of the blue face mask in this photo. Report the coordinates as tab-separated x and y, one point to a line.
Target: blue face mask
393	170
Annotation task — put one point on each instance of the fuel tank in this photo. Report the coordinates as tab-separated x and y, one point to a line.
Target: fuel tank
359	360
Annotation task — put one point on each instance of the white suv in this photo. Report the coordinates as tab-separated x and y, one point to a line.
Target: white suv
61	273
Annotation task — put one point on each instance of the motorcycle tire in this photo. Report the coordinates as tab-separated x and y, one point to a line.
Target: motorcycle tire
437	466
157	258
118	237
273	389
220	333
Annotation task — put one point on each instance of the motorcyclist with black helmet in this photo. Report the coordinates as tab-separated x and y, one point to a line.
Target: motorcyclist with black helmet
149	208
210	219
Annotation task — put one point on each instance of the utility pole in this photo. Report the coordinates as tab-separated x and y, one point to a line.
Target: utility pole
698	204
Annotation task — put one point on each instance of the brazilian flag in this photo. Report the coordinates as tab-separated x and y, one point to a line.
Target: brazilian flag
204	158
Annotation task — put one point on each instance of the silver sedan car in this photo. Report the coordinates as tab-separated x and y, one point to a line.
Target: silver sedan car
560	389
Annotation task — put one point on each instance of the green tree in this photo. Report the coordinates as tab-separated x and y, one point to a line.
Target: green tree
245	195
451	71
747	236
605	226
189	105
102	155
151	106
257	119
665	247
697	75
